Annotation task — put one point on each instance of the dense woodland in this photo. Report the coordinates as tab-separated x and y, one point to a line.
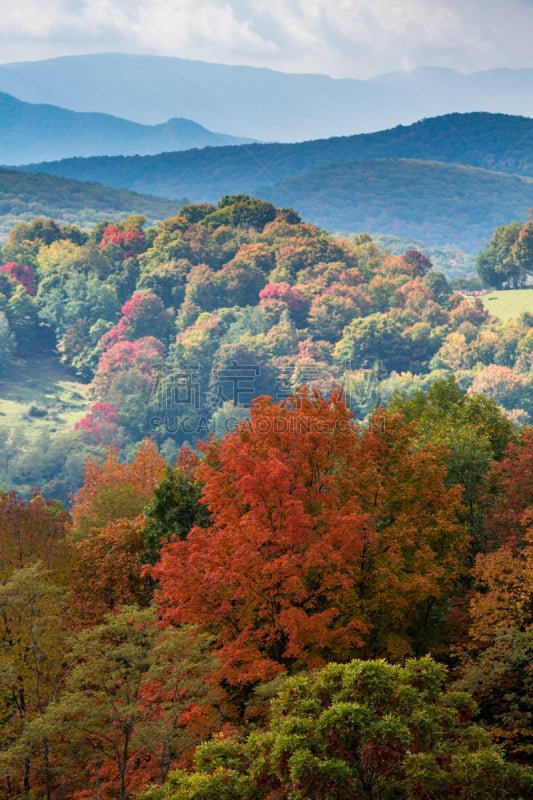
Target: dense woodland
24	197
176	327
328	597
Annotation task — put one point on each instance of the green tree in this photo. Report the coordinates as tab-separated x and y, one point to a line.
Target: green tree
32	671
7	344
173	511
358	731
128	700
473	431
496	264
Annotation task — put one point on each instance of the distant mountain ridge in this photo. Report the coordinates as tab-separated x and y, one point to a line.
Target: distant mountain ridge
491	141
261	103
31	132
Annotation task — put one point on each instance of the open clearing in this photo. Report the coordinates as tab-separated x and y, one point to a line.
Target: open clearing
39	394
509	303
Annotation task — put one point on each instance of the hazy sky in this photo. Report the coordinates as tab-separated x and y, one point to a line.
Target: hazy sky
343	38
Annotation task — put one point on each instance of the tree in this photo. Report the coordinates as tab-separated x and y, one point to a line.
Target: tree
107	572
174	509
496	656
523	248
418	264
496	263
508	499
505	386
373	339
327	541
112	491
239	210
30	531
474	433
133	701
22	273
358	731
7	344
32	671
101	705
335	308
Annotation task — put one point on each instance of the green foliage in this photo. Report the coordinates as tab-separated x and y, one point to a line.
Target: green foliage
474	433
497	264
359	730
174	510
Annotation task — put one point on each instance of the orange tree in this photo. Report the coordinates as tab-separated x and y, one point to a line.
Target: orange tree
327	541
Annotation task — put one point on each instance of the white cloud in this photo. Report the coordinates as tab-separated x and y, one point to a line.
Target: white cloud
340	37
190	27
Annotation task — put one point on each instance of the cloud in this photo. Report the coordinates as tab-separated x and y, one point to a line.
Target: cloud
340	37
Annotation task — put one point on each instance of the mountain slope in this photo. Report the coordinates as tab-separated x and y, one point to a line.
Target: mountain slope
261	103
433	202
492	141
24	196
31	132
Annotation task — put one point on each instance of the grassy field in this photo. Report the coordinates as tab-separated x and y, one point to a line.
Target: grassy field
39	394
508	304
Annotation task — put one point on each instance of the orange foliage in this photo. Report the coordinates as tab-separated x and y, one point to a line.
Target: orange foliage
112	491
328	541
107	571
31	531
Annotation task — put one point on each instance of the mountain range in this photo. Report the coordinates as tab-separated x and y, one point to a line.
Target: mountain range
261	103
37	131
446	180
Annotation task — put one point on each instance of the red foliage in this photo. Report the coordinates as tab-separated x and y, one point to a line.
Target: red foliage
142	315
187	462
130	240
21	273
327	541
292	297
101	422
509	502
143	353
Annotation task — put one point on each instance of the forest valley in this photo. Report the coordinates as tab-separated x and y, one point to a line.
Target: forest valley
329	598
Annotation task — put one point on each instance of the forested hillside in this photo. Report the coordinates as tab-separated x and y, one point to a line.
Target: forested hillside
24	196
176	327
438	204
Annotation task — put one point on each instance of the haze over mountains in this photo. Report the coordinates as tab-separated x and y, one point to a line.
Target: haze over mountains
31	131
449	179
260	103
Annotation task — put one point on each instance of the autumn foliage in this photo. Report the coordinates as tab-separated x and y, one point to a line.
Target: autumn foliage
112	490
327	541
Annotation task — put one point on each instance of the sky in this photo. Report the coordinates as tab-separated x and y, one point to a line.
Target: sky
341	38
